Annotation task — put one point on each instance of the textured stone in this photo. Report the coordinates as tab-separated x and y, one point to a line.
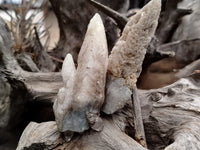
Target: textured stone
116	96
125	61
127	55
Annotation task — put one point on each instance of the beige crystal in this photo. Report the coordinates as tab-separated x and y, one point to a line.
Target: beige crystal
127	55
78	103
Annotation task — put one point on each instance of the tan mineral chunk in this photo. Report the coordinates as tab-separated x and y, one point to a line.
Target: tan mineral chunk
127	55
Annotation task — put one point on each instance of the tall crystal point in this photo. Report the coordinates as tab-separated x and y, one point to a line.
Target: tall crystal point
83	93
127	55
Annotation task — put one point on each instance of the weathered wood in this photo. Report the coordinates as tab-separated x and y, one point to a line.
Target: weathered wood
41	136
184	47
189	69
14	93
169	21
26	62
169	114
42	86
188	28
4	101
184	51
21	104
73	18
11	97
8	62
166	70
109	138
6	52
119	18
172	113
138	122
41	57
